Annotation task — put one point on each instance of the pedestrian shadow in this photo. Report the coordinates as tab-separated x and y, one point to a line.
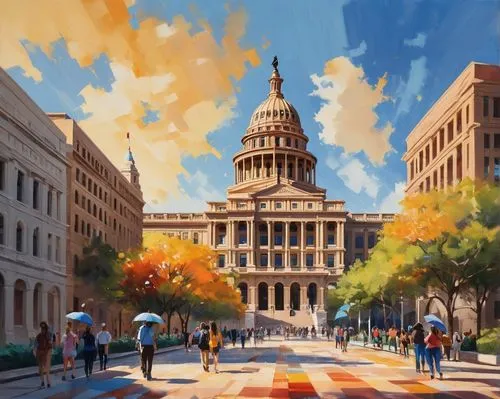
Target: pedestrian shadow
180	380
240	371
459	369
487	381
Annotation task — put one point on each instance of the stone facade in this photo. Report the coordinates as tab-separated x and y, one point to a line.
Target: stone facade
277	229
459	137
32	217
102	201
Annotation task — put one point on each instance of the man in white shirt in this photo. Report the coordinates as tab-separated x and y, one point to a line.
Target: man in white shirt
103	339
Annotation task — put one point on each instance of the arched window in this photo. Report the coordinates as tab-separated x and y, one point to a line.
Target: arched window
279	300
36	241
196	238
295	296
288	142
262	142
277	141
37	305
19	237
19	302
263	296
243	287
312	292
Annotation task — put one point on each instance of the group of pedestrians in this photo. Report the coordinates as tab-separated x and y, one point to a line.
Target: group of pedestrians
210	342
45	342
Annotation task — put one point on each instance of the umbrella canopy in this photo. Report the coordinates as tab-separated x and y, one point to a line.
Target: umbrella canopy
345	308
340	315
82	317
149	317
418	326
436	322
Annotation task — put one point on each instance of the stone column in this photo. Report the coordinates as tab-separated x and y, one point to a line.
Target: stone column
252	171
274	161
286	296
302	244
303	297
337	234
296	168
251	299
316	244
250	242
321	302
8	312
270	296
28	305
365	244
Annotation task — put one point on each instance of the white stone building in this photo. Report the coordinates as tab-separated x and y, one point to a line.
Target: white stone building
32	217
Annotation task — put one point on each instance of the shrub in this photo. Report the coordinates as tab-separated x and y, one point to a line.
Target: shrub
489	343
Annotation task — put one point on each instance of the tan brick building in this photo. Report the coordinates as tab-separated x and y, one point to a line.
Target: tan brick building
460	137
102	201
288	242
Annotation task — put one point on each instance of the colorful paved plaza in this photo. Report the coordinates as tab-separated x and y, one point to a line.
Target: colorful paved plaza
275	369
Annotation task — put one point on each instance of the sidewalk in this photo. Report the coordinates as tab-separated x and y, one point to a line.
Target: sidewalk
26	372
384	347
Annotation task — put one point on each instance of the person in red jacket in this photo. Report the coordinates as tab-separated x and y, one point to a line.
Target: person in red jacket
433	351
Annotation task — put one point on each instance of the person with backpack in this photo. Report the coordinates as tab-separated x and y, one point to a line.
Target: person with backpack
216	343
243	337
69	342
103	339
89	351
419	346
43	352
433	352
457	342
204	346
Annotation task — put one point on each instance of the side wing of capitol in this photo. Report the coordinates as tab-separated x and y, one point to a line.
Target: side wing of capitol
287	241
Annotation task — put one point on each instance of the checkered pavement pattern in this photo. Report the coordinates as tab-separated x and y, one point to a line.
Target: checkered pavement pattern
286	369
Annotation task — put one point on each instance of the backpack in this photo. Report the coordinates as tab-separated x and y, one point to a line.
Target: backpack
44	343
203	345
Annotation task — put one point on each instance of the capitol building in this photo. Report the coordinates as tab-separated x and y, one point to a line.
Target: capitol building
288	243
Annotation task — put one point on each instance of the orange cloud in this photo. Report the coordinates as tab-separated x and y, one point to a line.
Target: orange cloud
185	78
348	112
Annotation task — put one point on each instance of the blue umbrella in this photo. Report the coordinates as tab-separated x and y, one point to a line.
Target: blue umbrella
436	322
149	317
82	317
340	315
345	308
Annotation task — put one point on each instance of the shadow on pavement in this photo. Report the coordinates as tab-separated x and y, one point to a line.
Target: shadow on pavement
179	380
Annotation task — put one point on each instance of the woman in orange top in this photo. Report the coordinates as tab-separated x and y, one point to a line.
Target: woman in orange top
433	351
216	343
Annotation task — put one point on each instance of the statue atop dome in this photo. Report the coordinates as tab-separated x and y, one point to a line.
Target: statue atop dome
275	63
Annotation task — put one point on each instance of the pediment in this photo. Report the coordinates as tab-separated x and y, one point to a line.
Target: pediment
286	191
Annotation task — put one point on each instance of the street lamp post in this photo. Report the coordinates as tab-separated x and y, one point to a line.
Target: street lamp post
402	313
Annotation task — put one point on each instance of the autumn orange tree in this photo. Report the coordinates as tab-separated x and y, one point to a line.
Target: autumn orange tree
172	276
447	240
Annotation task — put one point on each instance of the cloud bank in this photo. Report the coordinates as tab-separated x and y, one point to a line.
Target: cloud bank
185	79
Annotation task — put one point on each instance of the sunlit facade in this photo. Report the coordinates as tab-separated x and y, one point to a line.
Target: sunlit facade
277	229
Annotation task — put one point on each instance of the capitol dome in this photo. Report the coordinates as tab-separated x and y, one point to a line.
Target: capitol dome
275	109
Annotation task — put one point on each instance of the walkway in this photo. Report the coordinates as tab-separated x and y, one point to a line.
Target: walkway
278	369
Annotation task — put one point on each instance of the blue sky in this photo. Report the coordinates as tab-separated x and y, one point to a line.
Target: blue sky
420	47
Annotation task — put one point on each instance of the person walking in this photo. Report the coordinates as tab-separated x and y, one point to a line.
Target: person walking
419	347
433	352
457	343
234	336
89	351
405	342
69	341
216	343
204	346
147	340
43	352
392	338
345	339
447	346
185	335
243	337
103	340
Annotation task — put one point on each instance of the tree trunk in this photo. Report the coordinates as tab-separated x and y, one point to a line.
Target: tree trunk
450	310
169	317
479	308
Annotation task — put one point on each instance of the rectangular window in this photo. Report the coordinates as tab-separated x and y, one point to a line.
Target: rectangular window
278	239
486	140
359	242
496	140
486	105
496	107
459	121
293	260
262	205
309	205
263	260
427	155
263	240
420	161
2	227
49	246
371	240
467	115
330	260
427	184
310	240
76	224
36	187
58	250
19	301
293	240
278	260
243	260
222	260
2	175
486	167
20	186
221	241
294	205
441	140
331	239
309	260
496	170
278	205
58	206
411	171
450	132
434	147
49	202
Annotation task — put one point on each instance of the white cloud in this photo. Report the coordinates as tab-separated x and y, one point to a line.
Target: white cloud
348	111
357	179
391	203
332	162
409	91
359	51
418	41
